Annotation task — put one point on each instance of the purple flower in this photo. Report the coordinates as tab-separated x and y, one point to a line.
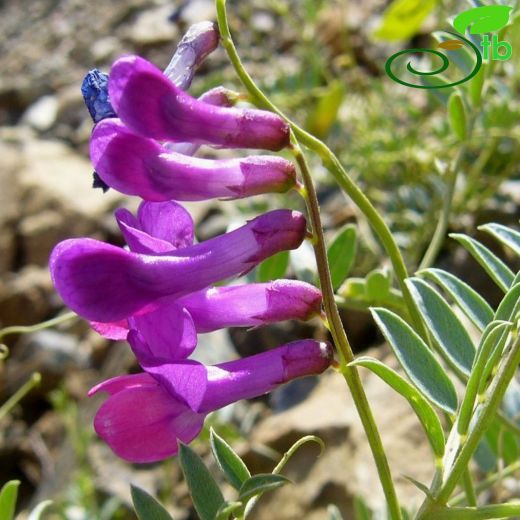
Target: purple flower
136	165
215	308
105	283
174	398
146	101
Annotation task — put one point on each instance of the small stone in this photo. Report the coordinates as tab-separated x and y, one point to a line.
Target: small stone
153	27
41	115
198	11
262	22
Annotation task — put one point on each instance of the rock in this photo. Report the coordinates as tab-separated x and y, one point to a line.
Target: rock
262	22
153	27
25	297
346	468
196	11
41	115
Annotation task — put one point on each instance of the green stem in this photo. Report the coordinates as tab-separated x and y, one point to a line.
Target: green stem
486	414
32	382
23	329
475	513
442	225
330	161
469	489
490	481
339	336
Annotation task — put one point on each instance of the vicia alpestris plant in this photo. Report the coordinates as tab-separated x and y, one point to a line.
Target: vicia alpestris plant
459	356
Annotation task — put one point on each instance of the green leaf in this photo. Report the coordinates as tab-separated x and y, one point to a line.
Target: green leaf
273	268
447	331
476	86
259	484
509	237
492	359
361	510
146	506
508	308
496	269
228	461
206	495
8	496
38	511
488	341
457	116
417	360
325	113
403	19
226	509
377	285
462	57
469	300
439	80
341	253
426	414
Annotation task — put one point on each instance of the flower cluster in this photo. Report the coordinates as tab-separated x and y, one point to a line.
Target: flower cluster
158	292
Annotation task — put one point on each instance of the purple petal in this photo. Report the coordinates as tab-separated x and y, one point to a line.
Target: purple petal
145	423
105	283
160	227
136	165
252	304
115	330
150	104
218	96
200	40
168	331
118	384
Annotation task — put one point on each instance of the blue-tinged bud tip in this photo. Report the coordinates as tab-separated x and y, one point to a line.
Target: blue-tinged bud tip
95	93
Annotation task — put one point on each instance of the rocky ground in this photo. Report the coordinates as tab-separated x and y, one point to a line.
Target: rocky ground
46	196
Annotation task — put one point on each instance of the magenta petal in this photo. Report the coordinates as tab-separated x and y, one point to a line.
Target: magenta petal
136	165
168	221
115	330
150	104
168	331
117	384
160	227
144	424
252	304
105	283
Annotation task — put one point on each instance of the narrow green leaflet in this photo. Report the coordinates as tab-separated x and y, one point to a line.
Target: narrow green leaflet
377	285
206	495
469	300
261	483
228	461
508	307
226	509
417	360
508	236
403	18
491	336
341	253
457	116
495	268
425	412
146	506
476	86
361	510
273	268
449	333
8	496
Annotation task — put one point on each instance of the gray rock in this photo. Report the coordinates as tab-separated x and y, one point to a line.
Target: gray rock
42	114
153	27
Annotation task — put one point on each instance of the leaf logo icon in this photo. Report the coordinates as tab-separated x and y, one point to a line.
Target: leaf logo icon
487	18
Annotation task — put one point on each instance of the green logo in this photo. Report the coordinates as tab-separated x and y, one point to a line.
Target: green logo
477	21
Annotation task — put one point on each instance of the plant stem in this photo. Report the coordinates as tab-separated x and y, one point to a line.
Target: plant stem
32	382
469	489
486	413
442	225
25	329
350	374
331	162
475	513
